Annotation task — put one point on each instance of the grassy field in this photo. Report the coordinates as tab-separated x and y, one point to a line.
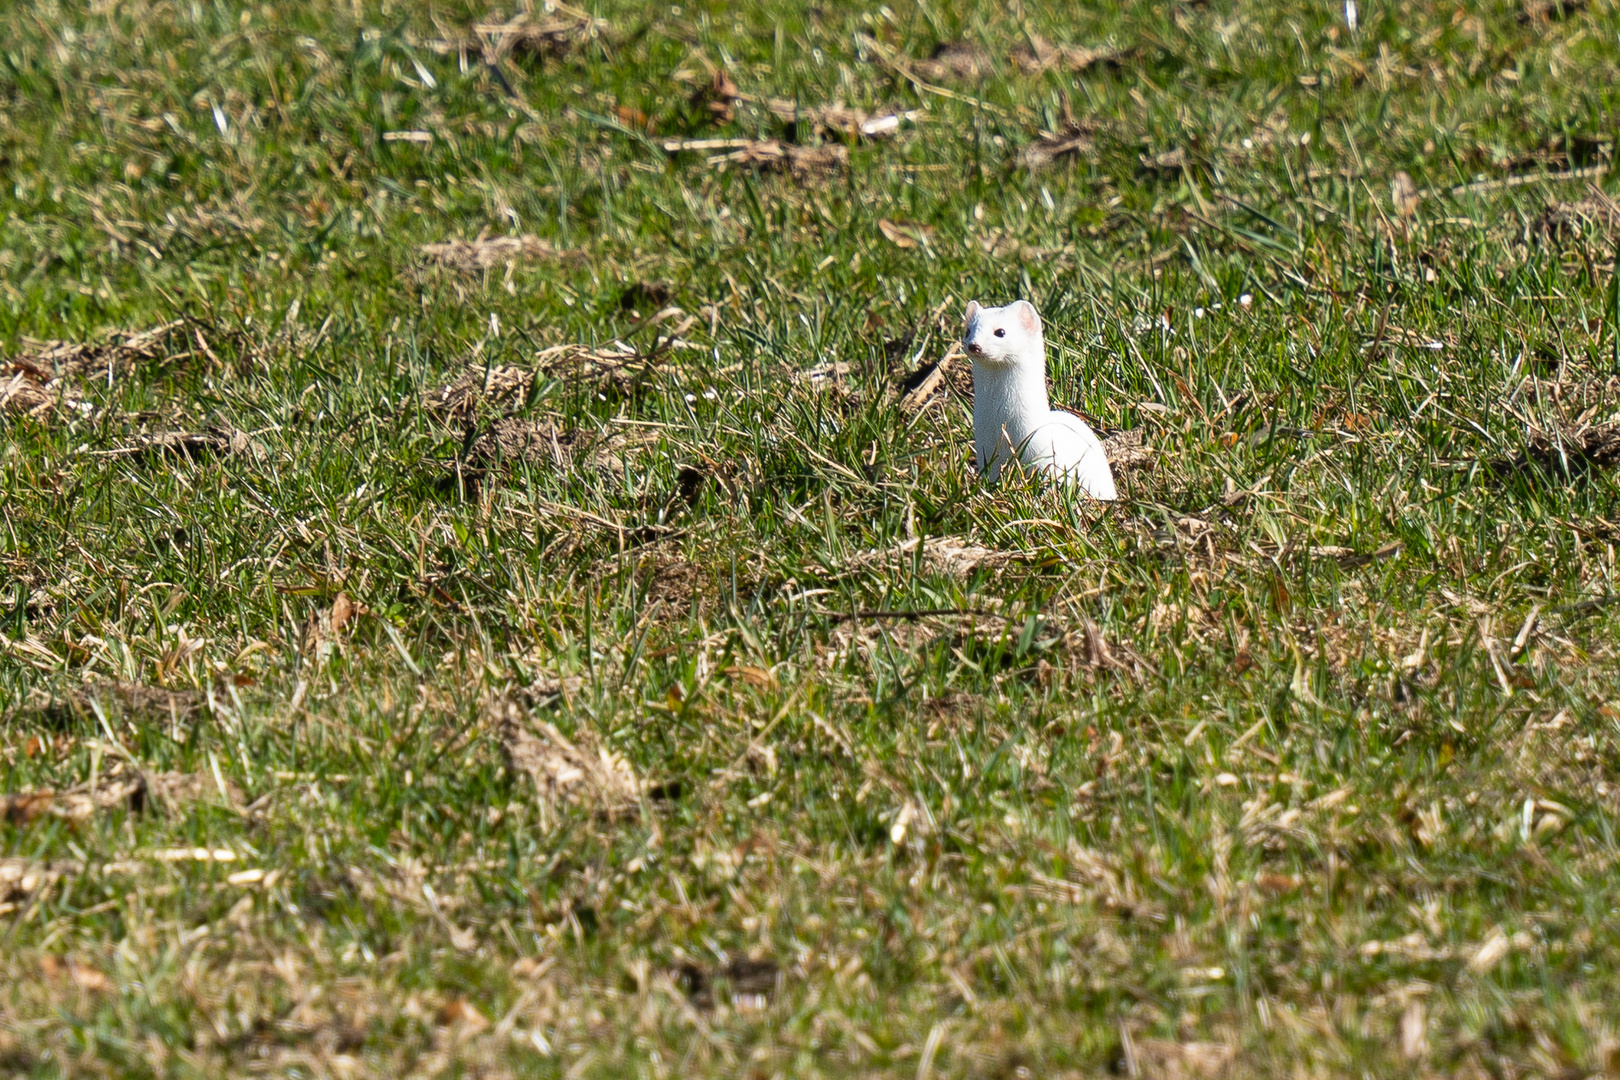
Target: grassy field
493	583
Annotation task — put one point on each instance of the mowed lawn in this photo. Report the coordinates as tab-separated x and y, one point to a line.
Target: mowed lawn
493	583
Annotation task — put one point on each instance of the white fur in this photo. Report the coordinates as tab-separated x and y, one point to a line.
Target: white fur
1011	413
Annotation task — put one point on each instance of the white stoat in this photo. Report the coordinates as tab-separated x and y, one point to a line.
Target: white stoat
1011	413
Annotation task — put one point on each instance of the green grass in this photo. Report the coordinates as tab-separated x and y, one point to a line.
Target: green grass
630	753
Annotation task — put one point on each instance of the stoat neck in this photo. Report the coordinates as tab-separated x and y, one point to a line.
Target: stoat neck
1014	396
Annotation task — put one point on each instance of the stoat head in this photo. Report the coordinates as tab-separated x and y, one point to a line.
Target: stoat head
1003	335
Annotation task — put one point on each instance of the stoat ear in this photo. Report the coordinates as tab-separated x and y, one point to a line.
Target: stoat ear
971	313
1027	316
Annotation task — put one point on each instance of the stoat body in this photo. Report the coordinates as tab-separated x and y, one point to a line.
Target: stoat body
1011	413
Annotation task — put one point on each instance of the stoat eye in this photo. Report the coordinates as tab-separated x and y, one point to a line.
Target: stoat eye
1000	332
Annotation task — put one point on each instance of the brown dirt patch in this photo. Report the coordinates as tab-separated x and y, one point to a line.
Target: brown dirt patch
678	584
115	698
617	367
555	32
871	639
1129	450
1076	141
1595	217
957	60
842	119
577	772
1543	11
42	377
1041	55
951	556
484	253
748	979
648	295
505	389
543	442
1165	166
119	349
27	391
1590	444
933	384
1583	429
496	385
1170	1060
22	879
119	786
219	439
115	788
717	98
800	162
531	442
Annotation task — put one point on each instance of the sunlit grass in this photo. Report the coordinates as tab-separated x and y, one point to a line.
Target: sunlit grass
676	702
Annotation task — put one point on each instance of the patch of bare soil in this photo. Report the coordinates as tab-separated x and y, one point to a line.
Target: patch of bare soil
531	442
484	253
543	443
951	556
115	699
842	119
717	99
960	60
873	636
1579	428
617	364
750	980
1129	450
22	879
505	389
1577	444
1076	141
1168	165
1543	11
618	367
219	439
649	295
1170	1060
1580	399
677	584
497	385
44	375
120	786
1595	217
1041	55
554	32
120	350
26	390
577	772
803	163
933	384
953	707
